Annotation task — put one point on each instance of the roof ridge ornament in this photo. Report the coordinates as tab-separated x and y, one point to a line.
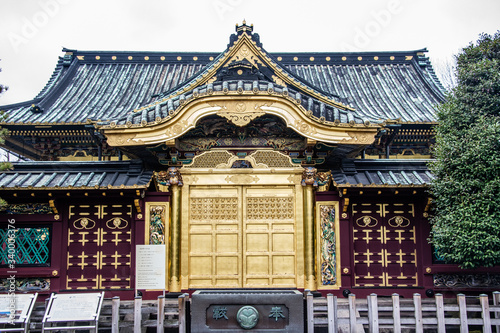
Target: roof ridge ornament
244	27
247	30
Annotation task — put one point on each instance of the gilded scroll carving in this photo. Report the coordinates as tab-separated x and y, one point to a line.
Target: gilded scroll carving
240	113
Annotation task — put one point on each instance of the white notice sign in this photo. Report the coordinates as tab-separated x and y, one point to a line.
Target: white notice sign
21	303
150	267
74	307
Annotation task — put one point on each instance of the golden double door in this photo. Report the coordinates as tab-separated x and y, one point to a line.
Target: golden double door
242	236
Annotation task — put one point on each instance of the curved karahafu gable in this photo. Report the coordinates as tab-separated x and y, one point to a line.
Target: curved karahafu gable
245	83
240	110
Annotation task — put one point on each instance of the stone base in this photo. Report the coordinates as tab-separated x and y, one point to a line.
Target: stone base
243	310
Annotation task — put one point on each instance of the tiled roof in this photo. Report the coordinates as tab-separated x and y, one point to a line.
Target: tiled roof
383	173
76	175
109	86
157	111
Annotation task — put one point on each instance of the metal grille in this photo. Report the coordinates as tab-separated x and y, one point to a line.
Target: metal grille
32	246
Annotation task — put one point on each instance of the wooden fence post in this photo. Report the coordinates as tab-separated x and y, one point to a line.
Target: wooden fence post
396	313
160	319
485	307
496	301
417	302
352	313
332	313
462	306
310	312
441	326
182	313
137	314
115	314
373	313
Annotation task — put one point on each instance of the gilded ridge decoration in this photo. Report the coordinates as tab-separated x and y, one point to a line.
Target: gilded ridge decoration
245	51
328	245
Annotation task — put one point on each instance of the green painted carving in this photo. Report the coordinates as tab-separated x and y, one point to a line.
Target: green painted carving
247	317
328	246
31	245
157	225
29	285
30	208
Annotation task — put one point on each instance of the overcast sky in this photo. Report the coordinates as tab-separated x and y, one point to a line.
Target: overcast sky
33	32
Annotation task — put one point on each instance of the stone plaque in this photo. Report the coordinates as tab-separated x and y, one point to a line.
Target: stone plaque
74	307
243	310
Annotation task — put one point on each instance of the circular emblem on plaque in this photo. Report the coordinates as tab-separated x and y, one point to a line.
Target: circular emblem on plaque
247	317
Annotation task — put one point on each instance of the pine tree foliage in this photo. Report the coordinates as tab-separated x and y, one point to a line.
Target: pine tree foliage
466	221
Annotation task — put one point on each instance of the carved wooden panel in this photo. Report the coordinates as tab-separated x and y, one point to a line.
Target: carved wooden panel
384	245
99	247
328	244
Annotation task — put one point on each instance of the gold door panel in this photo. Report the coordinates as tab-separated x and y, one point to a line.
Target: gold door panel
269	237
242	236
214	238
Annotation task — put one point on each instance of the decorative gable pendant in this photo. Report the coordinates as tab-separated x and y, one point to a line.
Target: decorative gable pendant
240	113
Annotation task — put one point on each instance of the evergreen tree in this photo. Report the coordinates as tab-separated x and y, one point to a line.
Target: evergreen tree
466	221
